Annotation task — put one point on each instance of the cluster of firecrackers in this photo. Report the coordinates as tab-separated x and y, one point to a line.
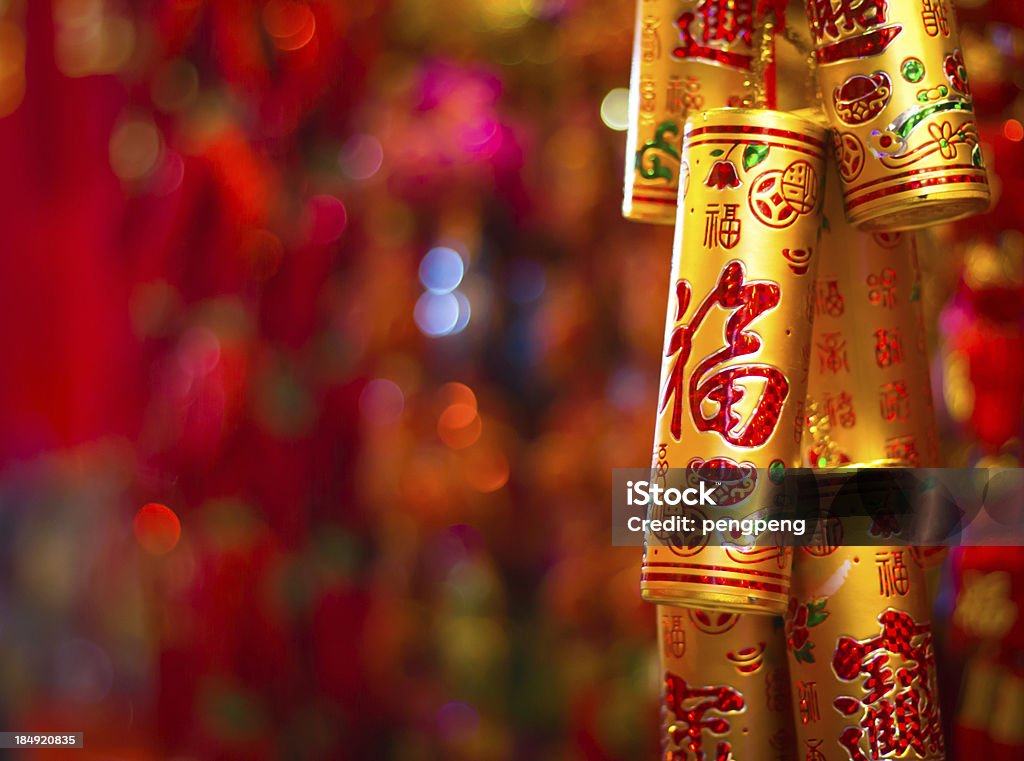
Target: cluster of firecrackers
797	336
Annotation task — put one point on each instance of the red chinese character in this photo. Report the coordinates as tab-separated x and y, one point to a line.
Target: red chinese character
682	97
902	448
686	707
882	288
888	347
808	701
661	465
813	749
724	232
894	401
828	300
722	23
900	710
839	409
831	18
893	575
832	353
725	388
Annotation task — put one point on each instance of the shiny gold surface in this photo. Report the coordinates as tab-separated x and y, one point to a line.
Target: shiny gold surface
893	86
861	655
717	666
869	371
734	371
674	74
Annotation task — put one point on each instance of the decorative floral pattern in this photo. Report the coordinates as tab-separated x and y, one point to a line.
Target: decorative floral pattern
723	175
800	618
942	134
956	72
656	151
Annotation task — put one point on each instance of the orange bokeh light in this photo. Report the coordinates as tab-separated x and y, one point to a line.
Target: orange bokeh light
157	528
457	393
488	469
1013	130
459	426
290	24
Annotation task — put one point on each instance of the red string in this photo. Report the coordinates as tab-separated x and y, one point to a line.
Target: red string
771	93
776	8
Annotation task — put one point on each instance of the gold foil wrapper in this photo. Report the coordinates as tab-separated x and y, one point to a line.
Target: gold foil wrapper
687	57
862	656
893	85
725	688
734	373
869	372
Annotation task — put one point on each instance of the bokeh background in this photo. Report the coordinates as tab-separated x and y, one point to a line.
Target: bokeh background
324	333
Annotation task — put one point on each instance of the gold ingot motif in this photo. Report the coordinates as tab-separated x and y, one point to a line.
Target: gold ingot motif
893	85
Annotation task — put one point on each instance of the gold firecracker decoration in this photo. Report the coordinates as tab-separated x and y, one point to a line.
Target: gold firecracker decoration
893	85
725	689
734	371
869	391
861	656
687	56
869	373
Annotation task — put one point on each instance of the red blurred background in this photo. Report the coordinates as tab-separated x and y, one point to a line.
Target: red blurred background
324	334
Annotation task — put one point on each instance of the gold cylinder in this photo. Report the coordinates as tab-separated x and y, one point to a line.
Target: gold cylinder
725	688
861	656
734	372
870	376
687	57
893	85
869	371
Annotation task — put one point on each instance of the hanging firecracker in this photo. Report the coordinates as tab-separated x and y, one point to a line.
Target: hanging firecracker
725	689
893	85
737	342
687	56
862	656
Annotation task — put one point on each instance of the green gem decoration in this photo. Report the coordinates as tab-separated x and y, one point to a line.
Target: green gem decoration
912	70
816	615
777	471
753	155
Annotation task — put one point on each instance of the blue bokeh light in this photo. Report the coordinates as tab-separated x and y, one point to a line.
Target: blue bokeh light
442	269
